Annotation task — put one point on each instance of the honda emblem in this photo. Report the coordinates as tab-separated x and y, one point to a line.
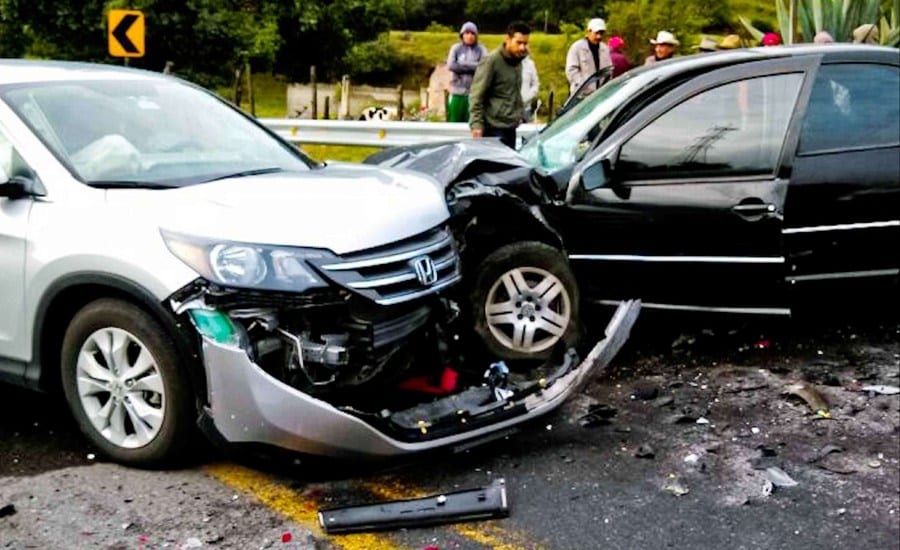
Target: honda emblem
426	273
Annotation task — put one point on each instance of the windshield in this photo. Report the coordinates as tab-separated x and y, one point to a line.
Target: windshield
153	133
566	140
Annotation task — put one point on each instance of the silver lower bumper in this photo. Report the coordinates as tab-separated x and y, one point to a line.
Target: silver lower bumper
247	405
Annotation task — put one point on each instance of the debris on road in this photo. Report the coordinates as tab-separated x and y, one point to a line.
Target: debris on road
779	477
881	389
488	502
675	486
645	451
823	452
598	415
8	510
811	396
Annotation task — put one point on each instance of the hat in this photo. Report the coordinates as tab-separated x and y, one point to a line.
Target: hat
706	45
823	37
771	39
596	25
865	34
730	42
665	37
616	42
468	26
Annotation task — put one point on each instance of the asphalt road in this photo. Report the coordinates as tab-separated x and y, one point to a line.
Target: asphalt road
573	480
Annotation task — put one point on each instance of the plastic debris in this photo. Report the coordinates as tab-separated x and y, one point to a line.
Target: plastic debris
779	477
754	430
823	452
645	451
838	465
675	486
702	420
881	389
598	415
811	396
286	538
8	510
692	458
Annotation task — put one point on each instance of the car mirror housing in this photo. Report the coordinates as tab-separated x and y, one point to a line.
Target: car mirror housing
596	175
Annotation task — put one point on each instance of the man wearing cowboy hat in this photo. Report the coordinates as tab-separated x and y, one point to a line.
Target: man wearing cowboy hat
663	47
587	56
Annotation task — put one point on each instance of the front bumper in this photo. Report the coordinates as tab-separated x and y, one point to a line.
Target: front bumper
247	405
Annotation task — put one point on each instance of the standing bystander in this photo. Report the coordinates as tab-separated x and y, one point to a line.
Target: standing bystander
530	87
619	59
495	101
663	47
586	56
464	57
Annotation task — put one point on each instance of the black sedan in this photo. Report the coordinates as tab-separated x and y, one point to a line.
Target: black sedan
730	182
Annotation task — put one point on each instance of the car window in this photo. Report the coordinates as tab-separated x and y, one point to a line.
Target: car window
157	131
852	105
734	129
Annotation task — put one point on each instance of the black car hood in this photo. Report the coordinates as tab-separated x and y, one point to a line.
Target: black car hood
454	161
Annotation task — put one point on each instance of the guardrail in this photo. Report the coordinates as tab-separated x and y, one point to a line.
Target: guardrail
381	133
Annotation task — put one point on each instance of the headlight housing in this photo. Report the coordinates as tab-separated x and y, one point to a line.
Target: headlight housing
246	265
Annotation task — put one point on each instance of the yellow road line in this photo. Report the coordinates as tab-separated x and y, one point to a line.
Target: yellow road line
293	505
303	509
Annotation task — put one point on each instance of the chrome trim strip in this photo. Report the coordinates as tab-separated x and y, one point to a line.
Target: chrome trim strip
710	309
385	281
844	275
698	259
394	258
840	227
413	295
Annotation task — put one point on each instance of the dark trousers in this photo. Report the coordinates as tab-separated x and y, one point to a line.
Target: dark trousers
507	135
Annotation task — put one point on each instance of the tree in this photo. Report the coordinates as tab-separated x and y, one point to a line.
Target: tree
837	17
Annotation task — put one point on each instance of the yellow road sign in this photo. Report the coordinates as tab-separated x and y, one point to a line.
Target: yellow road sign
126	33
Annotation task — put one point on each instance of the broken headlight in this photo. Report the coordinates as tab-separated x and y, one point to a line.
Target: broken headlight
245	265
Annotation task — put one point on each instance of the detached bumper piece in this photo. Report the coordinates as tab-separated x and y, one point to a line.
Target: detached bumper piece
468	505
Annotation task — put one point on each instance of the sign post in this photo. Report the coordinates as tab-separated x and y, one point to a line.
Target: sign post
125	33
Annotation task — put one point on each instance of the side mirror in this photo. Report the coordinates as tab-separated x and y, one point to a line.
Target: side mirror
15	187
596	175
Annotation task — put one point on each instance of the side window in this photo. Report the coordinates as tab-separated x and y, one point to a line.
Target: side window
852	105
734	129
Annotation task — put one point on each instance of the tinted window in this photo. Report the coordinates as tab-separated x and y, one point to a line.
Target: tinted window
851	106
734	129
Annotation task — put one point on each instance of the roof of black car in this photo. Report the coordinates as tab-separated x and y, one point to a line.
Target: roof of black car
830	52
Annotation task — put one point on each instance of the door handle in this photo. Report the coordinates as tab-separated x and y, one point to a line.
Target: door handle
760	208
755	210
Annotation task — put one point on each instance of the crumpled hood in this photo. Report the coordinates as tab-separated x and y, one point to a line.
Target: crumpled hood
342	208
450	162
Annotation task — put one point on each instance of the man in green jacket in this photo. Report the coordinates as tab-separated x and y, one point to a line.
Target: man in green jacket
495	100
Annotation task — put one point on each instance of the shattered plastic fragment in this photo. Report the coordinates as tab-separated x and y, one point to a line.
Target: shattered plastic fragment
811	396
285	537
881	389
779	477
675	486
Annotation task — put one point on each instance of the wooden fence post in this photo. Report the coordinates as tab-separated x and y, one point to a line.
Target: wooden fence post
345	98
315	94
400	102
327	114
250	89
552	114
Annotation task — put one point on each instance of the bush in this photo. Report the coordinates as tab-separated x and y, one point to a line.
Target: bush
379	63
434	26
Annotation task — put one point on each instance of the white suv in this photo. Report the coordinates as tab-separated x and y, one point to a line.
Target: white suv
168	262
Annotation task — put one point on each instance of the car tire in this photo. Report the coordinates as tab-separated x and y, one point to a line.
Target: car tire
525	301
125	386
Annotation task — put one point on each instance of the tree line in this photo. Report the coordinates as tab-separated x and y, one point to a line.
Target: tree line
207	39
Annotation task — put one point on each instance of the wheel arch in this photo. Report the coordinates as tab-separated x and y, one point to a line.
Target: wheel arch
66	297
490	222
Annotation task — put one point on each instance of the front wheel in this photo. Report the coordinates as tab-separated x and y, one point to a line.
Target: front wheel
525	301
124	384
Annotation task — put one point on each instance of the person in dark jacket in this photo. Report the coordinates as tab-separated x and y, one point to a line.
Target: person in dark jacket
463	58
495	100
619	59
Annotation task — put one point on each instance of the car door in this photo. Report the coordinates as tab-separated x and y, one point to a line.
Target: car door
842	213
13	225
690	214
